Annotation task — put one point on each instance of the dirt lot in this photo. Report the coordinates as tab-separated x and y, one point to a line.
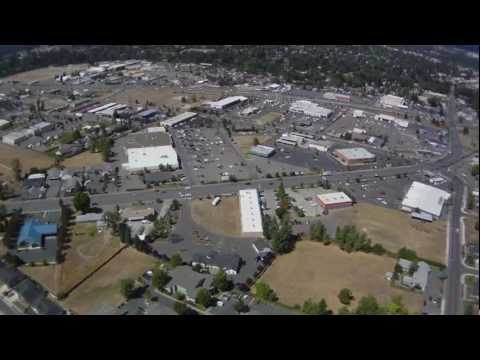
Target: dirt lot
470	141
245	142
84	254
103	289
83	159
28	158
395	229
46	73
317	271
472	235
170	96
224	219
268	118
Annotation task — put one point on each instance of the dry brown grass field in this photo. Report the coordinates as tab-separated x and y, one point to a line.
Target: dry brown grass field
316	271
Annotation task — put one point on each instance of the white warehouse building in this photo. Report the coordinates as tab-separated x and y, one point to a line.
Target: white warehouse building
16	137
151	158
425	198
251	216
391	101
310	109
179	119
228	101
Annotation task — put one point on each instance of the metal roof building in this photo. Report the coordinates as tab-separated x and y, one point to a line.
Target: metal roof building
151	158
426	198
251	216
310	109
261	150
390	101
231	100
178	119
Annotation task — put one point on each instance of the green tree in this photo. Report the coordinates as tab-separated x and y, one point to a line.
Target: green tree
127	288
344	311
161	228
475	169
112	219
396	307
81	202
160	279
255	141
176	260
221	281
283	240
407	254
264	292
203	298
240	307
312	308
345	296
175	205
368	305
180	308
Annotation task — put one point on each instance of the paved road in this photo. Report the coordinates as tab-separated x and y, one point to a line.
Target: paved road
6	309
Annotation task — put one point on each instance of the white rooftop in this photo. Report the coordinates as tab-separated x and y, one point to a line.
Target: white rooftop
155	129
310	108
151	157
334	198
178	119
251	217
226	101
426	198
356	153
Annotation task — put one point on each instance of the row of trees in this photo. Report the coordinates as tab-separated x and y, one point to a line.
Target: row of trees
348	238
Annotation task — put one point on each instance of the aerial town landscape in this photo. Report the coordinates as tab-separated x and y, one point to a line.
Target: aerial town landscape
239	180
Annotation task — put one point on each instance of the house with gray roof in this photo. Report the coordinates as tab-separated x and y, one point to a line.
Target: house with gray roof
215	261
187	282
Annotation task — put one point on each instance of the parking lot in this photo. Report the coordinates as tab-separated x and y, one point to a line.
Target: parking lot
207	155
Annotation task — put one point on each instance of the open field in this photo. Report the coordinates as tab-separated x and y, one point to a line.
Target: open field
28	158
395	229
472	235
103	289
470	141
223	219
169	96
268	118
316	271
83	159
245	142
83	255
46	73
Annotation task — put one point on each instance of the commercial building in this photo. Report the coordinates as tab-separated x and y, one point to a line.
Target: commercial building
16	137
310	109
251	216
101	108
110	112
424	198
334	200
391	101
37	242
40	128
4	123
179	119
336	96
391	119
358	114
249	111
321	146
354	156
226	102
148	138
262	151
151	158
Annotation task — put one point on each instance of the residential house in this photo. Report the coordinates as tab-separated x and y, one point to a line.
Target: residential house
71	184
187	282
137	214
214	262
419	279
